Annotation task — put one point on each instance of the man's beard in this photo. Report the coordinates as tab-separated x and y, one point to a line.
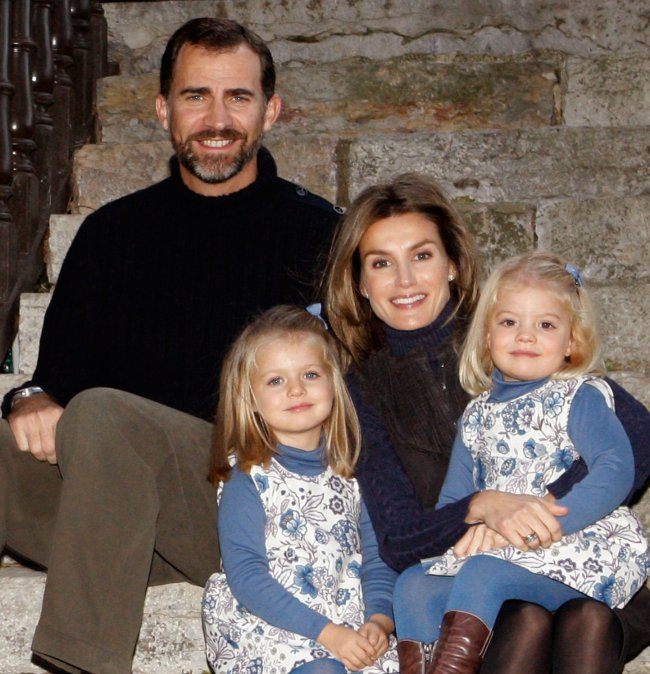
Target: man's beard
214	170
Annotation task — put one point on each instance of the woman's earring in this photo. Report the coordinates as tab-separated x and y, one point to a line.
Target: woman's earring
364	293
450	278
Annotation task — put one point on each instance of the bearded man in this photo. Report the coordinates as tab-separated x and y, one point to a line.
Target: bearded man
103	457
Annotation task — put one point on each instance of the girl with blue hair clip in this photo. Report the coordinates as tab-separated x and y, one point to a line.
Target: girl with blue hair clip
531	357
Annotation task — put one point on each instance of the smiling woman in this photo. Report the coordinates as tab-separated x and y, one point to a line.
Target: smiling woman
405	270
400	290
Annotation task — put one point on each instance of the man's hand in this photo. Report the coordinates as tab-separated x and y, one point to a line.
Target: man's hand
517	516
376	630
478	538
33	422
349	646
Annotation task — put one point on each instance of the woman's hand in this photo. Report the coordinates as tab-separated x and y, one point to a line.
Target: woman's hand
352	648
525	521
479	538
377	630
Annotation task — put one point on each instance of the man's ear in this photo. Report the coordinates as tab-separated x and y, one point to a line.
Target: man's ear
272	111
162	111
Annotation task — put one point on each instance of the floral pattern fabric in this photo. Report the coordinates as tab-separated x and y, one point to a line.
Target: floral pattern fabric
313	546
520	446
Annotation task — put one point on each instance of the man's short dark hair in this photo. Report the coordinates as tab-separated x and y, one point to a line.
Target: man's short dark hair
216	35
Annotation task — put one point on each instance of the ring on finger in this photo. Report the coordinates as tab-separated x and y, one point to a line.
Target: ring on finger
531	538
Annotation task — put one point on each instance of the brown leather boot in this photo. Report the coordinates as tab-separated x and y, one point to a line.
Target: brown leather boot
414	656
464	638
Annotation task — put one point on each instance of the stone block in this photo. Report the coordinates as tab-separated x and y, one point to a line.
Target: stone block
126	110
30	323
524	165
171	640
623	312
310	161
102	173
354	97
501	230
322	32
636	383
608	91
9	381
60	234
608	239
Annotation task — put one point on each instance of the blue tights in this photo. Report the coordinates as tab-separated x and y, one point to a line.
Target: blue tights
321	666
480	588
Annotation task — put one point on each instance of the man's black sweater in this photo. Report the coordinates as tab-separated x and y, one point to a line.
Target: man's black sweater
158	283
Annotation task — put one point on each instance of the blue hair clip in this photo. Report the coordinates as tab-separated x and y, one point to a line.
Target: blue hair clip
315	310
568	267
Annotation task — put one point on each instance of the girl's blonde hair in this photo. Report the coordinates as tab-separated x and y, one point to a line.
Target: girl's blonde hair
531	269
349	314
239	429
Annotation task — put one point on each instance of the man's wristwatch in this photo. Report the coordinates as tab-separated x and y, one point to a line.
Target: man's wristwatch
25	393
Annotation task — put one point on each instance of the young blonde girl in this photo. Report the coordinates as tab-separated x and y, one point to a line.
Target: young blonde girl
531	357
304	589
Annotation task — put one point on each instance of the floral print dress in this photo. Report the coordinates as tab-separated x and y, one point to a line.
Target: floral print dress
314	551
520	446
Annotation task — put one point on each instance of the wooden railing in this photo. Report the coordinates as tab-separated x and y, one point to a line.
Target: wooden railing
51	53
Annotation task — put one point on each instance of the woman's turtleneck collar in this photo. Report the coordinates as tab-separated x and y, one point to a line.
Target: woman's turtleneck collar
251	195
302	462
503	391
430	337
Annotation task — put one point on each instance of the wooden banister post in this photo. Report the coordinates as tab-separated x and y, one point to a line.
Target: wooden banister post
7	239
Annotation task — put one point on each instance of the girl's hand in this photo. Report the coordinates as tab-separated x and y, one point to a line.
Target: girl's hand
478	538
349	646
376	630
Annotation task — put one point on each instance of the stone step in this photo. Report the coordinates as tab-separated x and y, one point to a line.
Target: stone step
607	91
318	33
171	639
99	172
623	350
533	164
30	323
613	260
529	165
61	231
354	96
9	381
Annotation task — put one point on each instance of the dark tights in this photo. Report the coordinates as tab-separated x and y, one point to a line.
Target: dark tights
583	637
587	637
521	642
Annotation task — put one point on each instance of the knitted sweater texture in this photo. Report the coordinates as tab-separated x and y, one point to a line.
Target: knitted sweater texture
158	283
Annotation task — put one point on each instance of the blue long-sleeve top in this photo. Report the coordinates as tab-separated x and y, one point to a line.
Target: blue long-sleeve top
597	435
241	524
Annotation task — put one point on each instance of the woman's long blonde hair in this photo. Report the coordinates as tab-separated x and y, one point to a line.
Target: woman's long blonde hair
532	269
239	429
348	312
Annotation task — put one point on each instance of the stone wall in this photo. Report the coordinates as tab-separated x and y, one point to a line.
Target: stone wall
534	115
